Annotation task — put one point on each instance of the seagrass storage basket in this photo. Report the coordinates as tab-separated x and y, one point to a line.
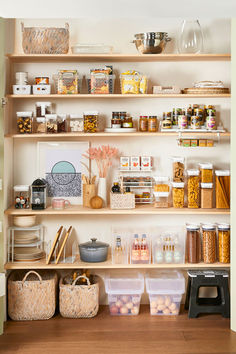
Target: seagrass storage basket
122	201
32	296
45	40
78	301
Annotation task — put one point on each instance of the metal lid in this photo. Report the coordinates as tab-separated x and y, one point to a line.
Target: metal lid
192	227
93	244
208	226
223	226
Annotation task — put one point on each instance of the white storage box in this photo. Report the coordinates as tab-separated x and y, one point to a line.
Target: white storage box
124	293
165	289
41	89
21	89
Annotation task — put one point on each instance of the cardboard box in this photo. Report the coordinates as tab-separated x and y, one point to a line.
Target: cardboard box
186	142
125	163
135	163
194	142
202	142
210	143
146	163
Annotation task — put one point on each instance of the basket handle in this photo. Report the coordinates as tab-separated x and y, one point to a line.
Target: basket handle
22	26
67	26
79	277
31	272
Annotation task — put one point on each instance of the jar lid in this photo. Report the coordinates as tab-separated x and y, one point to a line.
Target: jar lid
51	116
91	113
40	119
143	117
24	114
62	115
21	188
151	117
223	226
206	166
192	227
177	159
178	184
93	244
75	116
193	172
222	172
161	178
47	104
161	194
207	185
208	226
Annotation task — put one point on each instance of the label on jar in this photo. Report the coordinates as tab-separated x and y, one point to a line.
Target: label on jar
127	125
116	126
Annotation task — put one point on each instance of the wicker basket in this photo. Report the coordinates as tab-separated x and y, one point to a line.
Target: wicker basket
34	297
43	40
122	201
78	301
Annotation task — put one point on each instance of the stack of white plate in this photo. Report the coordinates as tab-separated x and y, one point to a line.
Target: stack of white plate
25	239
28	254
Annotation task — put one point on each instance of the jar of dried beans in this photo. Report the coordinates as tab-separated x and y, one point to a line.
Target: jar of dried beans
178	194
209	243
193	244
224	243
193	188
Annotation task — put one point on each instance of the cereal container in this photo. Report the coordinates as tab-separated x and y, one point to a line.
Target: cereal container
90	121
206	171
76	123
178	194
209	243
22	196
193	188
24	122
224	243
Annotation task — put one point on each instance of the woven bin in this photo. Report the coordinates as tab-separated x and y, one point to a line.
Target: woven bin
122	201
78	301
33	296
43	40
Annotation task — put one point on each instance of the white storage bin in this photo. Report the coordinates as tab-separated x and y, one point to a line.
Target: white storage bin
41	89
21	89
165	289
124	293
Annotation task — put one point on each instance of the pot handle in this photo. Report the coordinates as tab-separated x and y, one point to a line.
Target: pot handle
168	39
79	277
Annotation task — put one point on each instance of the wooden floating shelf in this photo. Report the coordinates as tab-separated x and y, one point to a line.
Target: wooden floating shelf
29	58
139	210
108	265
117	95
104	134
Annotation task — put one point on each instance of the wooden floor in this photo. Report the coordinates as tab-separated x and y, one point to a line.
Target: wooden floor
104	334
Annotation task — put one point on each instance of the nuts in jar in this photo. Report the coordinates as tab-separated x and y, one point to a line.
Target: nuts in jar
178	195
24	122
40	125
224	243
143	123
209	243
152	124
193	188
90	121
51	123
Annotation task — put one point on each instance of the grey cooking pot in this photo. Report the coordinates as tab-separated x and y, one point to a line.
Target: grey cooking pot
93	251
151	42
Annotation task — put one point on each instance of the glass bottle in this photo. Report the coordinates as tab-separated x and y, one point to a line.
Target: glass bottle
136	251
159	253
144	252
118	252
190	38
115	188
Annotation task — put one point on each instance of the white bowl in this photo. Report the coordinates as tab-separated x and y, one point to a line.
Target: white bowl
24	221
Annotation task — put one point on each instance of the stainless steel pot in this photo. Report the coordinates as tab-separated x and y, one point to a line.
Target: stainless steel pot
151	42
93	251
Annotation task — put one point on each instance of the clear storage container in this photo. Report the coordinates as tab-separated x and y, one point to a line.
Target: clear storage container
76	123
101	83
167	249
68	82
193	244
193	189
224	243
209	243
178	194
61	123
206	171
165	289
140	249
22	196
133	83
161	191
51	123
43	108
40	125
206	195
24	122
90	121
222	189
124	292
178	169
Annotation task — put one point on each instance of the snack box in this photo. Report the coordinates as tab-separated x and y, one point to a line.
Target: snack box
135	163
125	163
146	163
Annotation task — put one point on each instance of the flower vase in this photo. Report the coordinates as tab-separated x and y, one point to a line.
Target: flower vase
102	190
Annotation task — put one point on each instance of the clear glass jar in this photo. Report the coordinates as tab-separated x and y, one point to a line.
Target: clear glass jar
206	195
24	122
61	123
40	125
143	123
90	121
209	243
152	124
193	244
193	188
22	196
178	194
76	123
51	123
206	170
224	243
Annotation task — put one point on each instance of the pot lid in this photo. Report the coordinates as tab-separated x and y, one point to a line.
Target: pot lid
93	244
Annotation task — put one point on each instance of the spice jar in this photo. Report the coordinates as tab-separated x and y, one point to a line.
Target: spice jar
178	194
206	170
152	124
224	243
193	244
143	123
193	188
24	122
207	195
76	123
90	121
51	123
127	122
195	122
166	123
211	123
22	196
178	169
222	189
43	108
209	243
116	123
182	122
61	123
40	125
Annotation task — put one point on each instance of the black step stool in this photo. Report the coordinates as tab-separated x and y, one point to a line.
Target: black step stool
207	278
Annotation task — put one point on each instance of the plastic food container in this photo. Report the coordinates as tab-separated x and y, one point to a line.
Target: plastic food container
68	82
124	292
206	195
101	83
178	194
21	89
193	244
222	189
90	121
206	170
43	108
22	196
193	189
161	192
76	123
178	169
165	289
40	125
224	243
51	123
209	243
61	123
24	122
167	249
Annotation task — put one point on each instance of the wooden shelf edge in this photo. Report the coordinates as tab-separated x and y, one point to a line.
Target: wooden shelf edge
117	95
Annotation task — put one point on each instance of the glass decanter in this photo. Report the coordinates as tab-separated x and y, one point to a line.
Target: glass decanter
190	39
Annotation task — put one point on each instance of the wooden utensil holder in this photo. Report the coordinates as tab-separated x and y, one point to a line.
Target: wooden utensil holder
89	191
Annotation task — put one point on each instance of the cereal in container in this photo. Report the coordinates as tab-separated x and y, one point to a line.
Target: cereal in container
206	172
24	122
76	123
206	195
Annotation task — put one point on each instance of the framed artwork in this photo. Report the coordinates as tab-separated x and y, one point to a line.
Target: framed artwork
59	163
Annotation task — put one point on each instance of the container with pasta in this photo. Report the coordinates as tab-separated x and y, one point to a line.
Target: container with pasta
193	189
90	121
222	189
224	243
209	243
206	171
178	194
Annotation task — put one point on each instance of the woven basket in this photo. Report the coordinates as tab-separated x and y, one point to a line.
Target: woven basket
122	201
34	297
78	301
43	40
